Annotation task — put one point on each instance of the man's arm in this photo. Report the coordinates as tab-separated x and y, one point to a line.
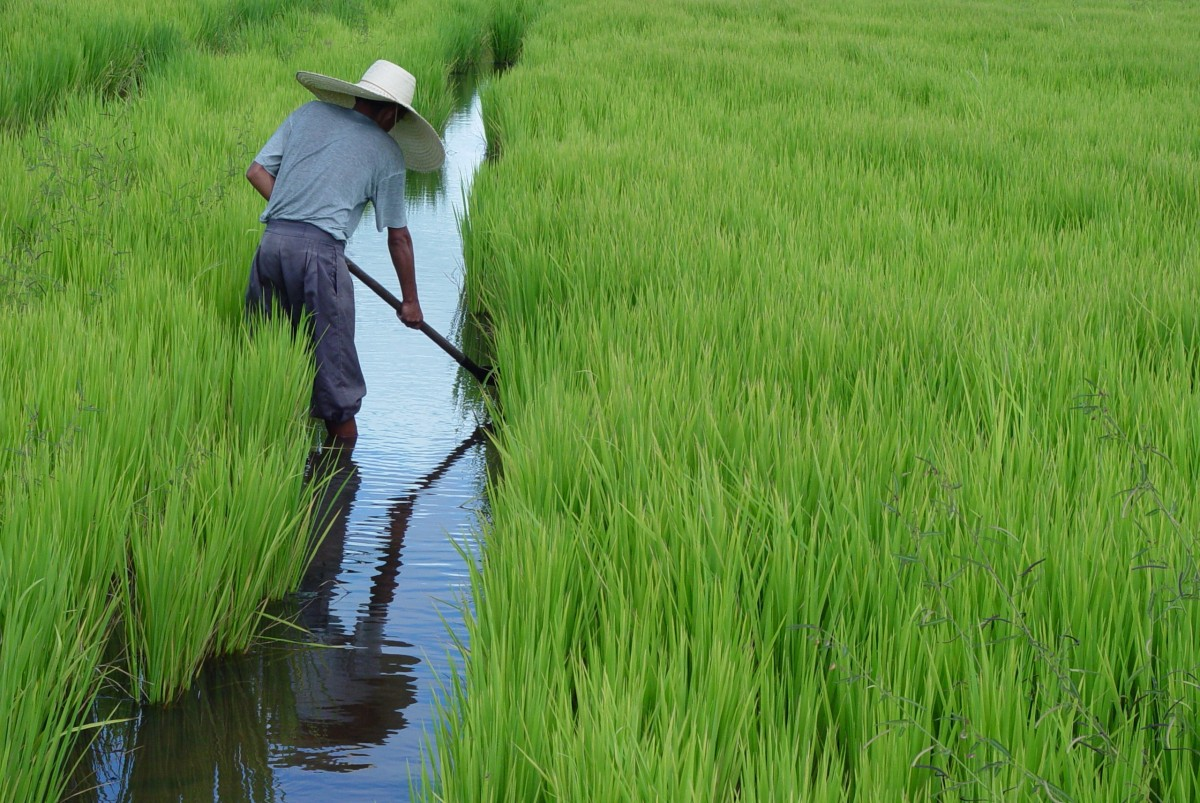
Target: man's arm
401	250
260	179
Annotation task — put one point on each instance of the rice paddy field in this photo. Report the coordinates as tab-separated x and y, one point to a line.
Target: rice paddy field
849	358
151	472
848	366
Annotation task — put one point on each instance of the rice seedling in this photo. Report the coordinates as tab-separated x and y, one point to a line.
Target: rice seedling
793	304
151	476
812	294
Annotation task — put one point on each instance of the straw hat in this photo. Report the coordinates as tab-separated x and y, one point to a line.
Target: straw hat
384	81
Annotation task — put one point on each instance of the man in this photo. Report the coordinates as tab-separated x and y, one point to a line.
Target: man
317	172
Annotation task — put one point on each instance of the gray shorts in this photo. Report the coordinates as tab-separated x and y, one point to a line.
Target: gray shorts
298	269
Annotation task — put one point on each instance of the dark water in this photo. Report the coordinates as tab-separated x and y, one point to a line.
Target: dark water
343	712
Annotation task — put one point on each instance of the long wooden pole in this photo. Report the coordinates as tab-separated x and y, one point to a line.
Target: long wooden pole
485	374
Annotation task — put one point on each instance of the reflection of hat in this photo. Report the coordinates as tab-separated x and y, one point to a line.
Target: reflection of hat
384	81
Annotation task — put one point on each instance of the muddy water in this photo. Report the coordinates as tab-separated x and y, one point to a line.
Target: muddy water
344	714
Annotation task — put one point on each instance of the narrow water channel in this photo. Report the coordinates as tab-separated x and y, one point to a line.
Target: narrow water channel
346	712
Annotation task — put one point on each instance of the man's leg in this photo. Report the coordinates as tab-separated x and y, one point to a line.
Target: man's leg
343	434
338	387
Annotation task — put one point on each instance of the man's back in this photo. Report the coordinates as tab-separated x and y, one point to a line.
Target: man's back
328	161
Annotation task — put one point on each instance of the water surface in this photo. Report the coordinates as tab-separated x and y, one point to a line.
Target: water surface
345	711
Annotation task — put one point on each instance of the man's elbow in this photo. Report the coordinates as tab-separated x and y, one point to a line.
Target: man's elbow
252	171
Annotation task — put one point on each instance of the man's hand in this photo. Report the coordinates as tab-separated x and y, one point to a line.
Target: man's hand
410	314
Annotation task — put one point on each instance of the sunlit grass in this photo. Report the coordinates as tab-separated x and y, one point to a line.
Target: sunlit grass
151	450
806	491
807	494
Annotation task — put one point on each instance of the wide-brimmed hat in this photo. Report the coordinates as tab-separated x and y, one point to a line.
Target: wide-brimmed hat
384	81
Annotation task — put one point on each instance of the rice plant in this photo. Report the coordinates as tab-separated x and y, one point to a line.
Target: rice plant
795	306
151	476
849	369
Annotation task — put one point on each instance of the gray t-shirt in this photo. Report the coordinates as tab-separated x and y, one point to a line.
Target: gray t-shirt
328	162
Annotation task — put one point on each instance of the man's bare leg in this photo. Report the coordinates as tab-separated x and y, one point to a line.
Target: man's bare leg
343	434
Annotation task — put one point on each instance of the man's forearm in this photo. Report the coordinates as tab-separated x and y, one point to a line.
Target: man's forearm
401	250
260	179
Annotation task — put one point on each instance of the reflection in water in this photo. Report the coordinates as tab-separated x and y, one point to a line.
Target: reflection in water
313	706
357	690
336	704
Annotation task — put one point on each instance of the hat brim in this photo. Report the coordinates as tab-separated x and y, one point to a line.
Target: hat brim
422	147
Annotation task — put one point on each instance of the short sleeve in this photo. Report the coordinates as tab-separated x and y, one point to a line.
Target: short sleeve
271	155
389	203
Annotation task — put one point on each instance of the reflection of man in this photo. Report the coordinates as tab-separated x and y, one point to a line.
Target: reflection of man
336	475
356	691
317	172
309	707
